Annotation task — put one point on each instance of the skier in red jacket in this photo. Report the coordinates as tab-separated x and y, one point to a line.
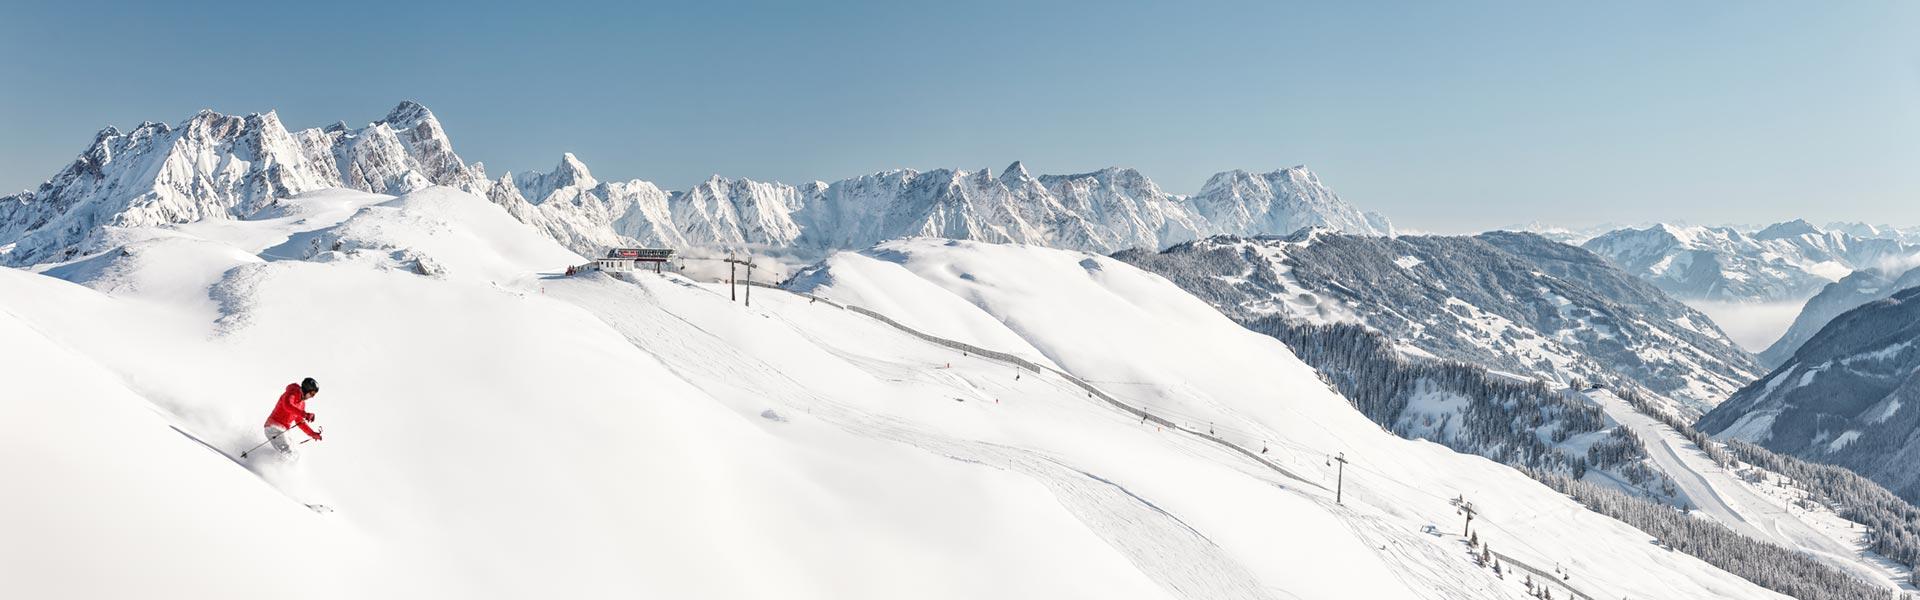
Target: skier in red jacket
290	412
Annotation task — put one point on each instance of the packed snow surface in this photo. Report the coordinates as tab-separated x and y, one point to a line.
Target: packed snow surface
496	430
1178	357
1760	507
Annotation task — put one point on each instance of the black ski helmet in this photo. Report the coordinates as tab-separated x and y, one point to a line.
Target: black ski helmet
309	386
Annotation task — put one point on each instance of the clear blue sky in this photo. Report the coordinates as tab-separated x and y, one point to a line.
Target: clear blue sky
1445	116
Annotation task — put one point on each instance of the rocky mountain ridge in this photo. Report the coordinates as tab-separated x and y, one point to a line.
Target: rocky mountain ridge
1785	261
215	166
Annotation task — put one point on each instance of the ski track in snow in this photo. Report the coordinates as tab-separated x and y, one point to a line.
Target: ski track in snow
1169	550
1726	499
1174	554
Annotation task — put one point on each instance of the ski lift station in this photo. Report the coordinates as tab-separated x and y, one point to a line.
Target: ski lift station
627	260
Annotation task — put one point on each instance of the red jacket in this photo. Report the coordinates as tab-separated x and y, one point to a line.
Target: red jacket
291	411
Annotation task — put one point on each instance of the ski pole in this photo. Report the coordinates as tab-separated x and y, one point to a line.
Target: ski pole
257	446
270	440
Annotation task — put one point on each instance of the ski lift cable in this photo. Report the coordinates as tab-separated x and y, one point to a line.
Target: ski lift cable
1270	438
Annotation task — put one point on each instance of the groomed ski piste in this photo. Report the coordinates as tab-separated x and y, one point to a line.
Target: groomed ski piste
496	430
1766	509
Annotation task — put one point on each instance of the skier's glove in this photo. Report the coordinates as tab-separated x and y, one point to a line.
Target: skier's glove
311	418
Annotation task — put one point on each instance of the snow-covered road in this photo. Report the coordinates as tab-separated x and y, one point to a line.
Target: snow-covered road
1723	496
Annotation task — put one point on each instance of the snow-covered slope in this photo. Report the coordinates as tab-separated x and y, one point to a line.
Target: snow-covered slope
1425	294
1509	302
218	166
1784	261
493	431
1179	358
485	439
1844	398
1751	501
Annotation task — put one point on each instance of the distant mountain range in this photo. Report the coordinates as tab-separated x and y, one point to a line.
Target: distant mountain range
1861	287
1564	234
1510	302
1785	261
219	166
1848	396
1102	211
1909	235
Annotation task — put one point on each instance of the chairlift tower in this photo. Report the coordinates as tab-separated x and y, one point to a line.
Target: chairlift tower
732	263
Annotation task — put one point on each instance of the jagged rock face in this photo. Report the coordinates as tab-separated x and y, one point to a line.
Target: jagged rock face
738	212
1512	302
1785	261
1849	396
1104	211
210	165
1863	286
218	166
427	147
1127	207
585	214
972	205
1241	203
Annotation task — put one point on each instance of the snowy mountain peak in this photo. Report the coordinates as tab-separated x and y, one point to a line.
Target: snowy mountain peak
220	166
1794	228
207	124
1670	231
569	175
151	127
426	143
979	178
1279	202
1297	173
1128	177
1015	174
217	166
1225	179
408	113
572	172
